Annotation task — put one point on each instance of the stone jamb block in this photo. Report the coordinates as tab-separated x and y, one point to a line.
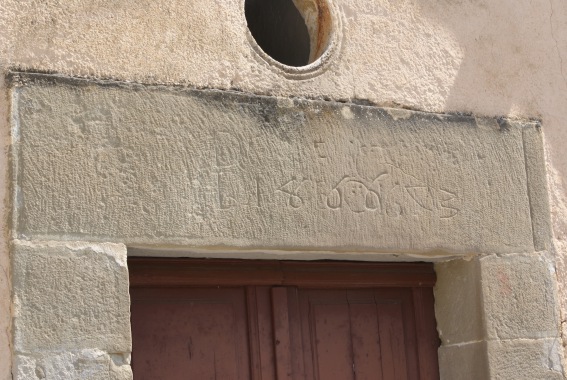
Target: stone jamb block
89	364
525	359
497	316
496	297
468	361
70	296
458	301
519	296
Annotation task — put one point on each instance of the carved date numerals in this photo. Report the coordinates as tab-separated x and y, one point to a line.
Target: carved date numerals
292	190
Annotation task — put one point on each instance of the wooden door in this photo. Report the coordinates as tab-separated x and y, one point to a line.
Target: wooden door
360	334
209	319
195	334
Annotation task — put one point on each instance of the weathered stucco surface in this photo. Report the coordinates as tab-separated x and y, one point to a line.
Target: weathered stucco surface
487	57
145	165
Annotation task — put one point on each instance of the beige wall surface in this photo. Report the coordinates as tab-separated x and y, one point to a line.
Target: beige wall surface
485	57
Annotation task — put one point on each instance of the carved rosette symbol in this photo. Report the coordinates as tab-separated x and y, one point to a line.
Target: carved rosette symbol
355	194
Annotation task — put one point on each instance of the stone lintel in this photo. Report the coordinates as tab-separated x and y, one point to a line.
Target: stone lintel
149	165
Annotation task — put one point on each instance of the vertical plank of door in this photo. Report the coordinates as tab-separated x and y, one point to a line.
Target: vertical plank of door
428	341
392	339
295	332
329	333
254	334
282	341
306	323
365	335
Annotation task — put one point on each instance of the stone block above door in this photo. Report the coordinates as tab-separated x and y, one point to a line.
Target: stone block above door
150	165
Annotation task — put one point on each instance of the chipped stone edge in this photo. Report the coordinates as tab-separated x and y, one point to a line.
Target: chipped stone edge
536	181
550	356
21	79
37	366
14	160
117	251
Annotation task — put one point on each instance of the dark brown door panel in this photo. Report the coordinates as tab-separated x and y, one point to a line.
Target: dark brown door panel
190	334
231	319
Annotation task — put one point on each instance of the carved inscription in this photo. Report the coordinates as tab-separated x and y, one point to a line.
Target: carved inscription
388	195
394	193
291	188
376	186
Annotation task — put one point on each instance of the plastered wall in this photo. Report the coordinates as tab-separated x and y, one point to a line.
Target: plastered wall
483	57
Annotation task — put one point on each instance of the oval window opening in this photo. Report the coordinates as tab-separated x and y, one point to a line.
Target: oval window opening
293	32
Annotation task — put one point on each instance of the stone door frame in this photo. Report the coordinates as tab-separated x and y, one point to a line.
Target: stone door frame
495	299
